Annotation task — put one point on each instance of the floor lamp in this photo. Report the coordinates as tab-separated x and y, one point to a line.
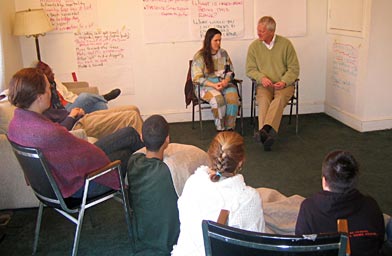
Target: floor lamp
32	22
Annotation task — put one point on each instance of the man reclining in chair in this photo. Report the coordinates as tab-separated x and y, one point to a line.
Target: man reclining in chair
62	98
101	122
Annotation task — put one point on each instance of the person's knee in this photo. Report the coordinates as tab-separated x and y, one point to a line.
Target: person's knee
220	100
232	99
83	96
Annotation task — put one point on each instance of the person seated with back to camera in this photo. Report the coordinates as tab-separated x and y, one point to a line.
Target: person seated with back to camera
70	158
340	199
220	186
213	70
63	98
153	198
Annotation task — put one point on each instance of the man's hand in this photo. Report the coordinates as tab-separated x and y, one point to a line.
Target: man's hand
279	85
265	81
76	113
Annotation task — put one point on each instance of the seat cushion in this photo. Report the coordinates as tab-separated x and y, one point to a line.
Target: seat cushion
6	114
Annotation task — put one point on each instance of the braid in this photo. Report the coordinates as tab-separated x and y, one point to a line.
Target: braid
220	162
226	151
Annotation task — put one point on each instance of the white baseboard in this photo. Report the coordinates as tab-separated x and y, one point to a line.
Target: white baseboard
356	123
185	115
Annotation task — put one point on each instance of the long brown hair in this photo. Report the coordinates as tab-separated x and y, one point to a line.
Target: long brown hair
226	153
206	50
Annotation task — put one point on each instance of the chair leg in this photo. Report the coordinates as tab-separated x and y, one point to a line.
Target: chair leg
291	110
78	230
297	117
193	116
38	227
242	122
127	209
200	121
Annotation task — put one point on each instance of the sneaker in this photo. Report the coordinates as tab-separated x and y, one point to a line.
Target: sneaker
112	94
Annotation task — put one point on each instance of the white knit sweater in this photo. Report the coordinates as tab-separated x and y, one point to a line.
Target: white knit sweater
203	199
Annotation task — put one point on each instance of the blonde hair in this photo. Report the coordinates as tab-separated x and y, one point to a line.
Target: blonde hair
226	152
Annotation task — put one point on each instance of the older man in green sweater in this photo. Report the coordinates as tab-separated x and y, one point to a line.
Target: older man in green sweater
272	62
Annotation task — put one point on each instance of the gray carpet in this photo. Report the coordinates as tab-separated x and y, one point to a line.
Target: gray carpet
293	167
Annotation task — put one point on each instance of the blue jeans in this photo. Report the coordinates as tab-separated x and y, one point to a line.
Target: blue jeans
117	146
89	102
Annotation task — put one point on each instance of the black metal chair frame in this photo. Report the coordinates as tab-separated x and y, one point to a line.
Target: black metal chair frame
45	188
294	101
201	104
253	243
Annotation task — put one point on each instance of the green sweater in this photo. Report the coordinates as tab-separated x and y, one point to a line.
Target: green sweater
155	220
278	64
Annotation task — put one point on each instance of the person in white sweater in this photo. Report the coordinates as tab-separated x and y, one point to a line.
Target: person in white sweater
219	186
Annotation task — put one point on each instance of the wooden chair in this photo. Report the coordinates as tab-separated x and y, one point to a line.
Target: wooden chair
294	101
221	239
41	180
197	101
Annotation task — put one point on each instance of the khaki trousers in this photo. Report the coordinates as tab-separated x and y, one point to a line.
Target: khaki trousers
104	122
271	104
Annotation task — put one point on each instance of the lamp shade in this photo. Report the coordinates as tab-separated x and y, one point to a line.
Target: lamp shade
31	22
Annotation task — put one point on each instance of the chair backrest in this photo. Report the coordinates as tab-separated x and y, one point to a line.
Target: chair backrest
189	90
224	240
38	175
342	225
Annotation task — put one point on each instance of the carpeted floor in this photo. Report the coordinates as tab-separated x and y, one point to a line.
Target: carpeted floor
293	167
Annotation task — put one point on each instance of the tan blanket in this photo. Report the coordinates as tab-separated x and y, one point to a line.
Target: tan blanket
280	211
182	161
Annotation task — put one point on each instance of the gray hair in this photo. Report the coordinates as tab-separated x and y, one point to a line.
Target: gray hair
269	22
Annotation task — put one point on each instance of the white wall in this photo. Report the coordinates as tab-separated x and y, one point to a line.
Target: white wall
10	58
364	104
160	69
377	113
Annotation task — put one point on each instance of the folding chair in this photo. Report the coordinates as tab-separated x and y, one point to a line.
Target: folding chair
39	177
293	102
197	101
229	241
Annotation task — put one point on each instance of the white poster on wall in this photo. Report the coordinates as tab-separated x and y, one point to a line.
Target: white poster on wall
290	15
187	20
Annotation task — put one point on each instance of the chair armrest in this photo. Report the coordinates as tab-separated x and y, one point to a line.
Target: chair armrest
101	171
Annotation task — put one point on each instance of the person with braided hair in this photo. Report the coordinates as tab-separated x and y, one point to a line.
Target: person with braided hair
215	187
